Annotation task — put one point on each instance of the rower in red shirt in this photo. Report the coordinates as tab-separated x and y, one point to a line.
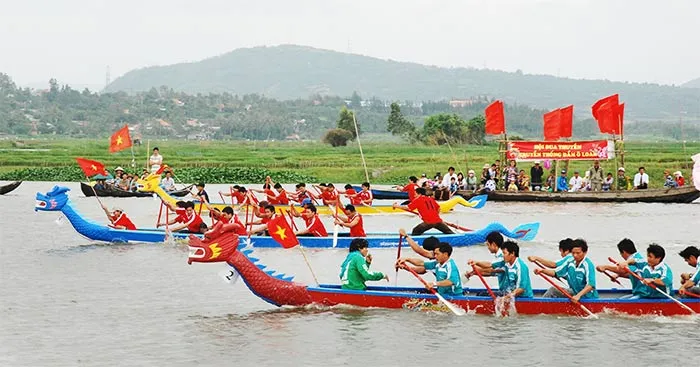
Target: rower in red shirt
270	196
352	220
118	219
226	221
314	226
410	189
237	197
265	218
281	196
328	194
187	217
365	195
429	211
351	194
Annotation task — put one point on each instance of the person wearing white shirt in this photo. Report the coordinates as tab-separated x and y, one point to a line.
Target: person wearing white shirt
156	160
448	177
576	182
641	180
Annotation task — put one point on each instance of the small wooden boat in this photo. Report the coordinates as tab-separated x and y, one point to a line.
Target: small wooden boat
280	290
87	190
9	187
686	194
380	194
152	184
57	200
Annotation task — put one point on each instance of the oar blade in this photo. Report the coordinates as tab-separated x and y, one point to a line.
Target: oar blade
454	308
477	202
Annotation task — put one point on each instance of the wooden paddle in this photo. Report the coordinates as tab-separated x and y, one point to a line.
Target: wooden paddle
398	256
543	267
454	308
560	289
652	285
483	281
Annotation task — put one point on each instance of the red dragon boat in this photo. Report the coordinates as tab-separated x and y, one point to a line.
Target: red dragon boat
281	290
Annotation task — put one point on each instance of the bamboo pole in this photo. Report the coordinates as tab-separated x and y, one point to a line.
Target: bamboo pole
362	155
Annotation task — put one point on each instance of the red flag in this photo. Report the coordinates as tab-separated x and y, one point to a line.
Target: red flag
120	140
620	117
552	125
609	113
281	232
91	167
566	121
495	118
596	106
162	168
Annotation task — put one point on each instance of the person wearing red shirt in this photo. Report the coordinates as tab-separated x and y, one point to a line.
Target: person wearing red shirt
314	226
429	211
352	220
118	219
410	189
235	194
270	195
187	218
265	218
328	194
351	194
365	195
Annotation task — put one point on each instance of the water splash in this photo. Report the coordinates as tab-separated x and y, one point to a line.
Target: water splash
504	306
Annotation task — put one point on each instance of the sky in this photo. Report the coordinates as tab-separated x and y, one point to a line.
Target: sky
76	41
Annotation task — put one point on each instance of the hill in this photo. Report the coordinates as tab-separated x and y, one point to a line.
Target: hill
289	72
695	83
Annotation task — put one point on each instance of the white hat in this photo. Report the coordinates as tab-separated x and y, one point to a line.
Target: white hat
470	171
486	165
621	169
537	162
678	173
119	169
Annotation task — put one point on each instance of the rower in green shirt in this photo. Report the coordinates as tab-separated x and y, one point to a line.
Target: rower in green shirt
355	269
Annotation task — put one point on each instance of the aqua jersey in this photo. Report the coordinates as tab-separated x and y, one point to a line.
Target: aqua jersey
355	272
499	264
448	270
518	276
638	288
561	263
696	276
579	276
660	271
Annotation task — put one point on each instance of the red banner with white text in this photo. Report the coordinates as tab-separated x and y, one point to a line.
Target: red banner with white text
571	150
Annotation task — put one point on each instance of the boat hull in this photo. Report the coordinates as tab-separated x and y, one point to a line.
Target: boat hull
379	194
9	187
88	191
683	195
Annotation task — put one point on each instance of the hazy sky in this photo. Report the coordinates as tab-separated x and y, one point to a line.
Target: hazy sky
634	40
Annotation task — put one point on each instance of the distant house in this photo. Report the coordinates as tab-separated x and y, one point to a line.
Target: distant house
293	137
461	103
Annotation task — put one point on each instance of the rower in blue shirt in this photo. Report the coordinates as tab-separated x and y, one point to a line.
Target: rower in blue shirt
448	280
655	272
690	282
634	261
579	273
517	273
494	243
564	251
563	182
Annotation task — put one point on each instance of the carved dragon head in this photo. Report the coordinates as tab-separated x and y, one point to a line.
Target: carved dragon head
53	200
149	184
217	249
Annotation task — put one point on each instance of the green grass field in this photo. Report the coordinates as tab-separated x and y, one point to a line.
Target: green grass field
387	162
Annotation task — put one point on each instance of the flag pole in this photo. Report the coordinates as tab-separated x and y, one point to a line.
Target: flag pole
93	190
362	155
148	158
303	253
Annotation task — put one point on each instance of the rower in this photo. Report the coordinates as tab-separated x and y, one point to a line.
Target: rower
227	218
314	226
354	271
302	193
690	282
579	273
564	251
352	220
655	272
494	243
201	194
281	196
351	194
235	194
265	218
365	195
410	188
188	219
447	278
426	249
270	195
516	282
634	260
429	211
118	219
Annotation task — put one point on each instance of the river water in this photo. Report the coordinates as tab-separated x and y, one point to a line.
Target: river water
68	302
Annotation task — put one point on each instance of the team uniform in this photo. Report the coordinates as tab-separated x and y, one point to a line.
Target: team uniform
354	272
429	211
354	200
448	270
365	196
660	271
123	220
696	280
270	196
359	229
517	275
193	222
281	198
579	276
316	227
498	263
639	263
329	197
411	190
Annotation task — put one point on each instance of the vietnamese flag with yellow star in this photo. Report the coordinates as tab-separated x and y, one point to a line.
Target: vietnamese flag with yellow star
91	167
281	232
120	140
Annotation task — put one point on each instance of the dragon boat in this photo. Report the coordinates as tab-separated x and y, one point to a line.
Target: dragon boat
152	184
280	289
57	200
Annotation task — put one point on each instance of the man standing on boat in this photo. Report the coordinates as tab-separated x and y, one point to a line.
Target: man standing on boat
447	278
429	211
579	273
690	282
354	271
596	176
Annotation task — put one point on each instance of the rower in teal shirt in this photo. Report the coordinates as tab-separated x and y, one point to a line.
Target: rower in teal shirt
634	261
448	281
517	272
579	273
655	272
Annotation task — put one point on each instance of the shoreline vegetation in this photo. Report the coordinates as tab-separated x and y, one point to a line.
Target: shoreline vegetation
388	162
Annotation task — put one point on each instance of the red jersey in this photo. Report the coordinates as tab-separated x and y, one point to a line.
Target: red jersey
239	196
355	200
358	230
411	190
329	197
123	220
365	196
240	230
315	226
428	209
282	198
680	181
270	196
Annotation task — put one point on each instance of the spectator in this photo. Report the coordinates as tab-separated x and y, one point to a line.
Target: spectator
168	183
536	174
670	181
512	185
461	184
511	172
596	176
156	160
470	181
485	174
623	182
575	183
563	182
608	182
680	181
453	186
523	181
423	179
447	180
549	184
641	180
